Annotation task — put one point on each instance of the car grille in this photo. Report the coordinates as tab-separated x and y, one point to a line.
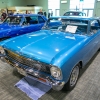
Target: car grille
27	62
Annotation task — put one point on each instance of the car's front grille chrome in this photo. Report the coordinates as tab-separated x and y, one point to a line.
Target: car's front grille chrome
28	62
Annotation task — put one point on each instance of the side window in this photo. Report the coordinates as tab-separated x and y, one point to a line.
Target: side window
67	14
25	22
84	14
80	14
94	23
41	20
28	20
13	20
32	20
94	26
7	20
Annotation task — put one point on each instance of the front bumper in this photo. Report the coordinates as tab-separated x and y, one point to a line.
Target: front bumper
35	74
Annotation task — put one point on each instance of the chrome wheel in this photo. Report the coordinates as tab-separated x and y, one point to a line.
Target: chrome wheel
74	76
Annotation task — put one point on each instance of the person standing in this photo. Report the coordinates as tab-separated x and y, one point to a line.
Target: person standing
48	14
40	12
51	13
45	14
3	15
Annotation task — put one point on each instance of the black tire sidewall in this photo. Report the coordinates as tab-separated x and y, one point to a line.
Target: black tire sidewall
67	86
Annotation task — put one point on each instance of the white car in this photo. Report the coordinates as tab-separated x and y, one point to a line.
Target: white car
74	13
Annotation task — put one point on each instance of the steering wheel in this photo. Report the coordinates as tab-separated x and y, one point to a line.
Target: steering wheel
59	28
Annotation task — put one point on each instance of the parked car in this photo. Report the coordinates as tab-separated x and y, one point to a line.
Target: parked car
19	24
74	13
55	54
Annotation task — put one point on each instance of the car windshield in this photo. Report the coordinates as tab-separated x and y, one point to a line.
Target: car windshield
77	26
13	20
73	14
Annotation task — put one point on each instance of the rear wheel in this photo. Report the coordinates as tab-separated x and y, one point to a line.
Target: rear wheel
73	78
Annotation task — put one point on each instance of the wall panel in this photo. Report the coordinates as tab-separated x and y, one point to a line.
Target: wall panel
42	3
10	3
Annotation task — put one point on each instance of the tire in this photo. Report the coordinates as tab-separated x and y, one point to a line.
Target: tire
99	49
73	78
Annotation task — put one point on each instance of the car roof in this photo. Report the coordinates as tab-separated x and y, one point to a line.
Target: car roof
75	11
75	17
21	15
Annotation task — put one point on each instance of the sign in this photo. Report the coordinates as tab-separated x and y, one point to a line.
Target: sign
71	29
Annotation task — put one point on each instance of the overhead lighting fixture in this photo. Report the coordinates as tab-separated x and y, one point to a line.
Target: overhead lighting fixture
63	1
98	0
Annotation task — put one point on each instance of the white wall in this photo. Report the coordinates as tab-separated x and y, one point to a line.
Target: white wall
16	2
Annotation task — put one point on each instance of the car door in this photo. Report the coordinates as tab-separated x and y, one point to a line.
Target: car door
15	27
95	36
13	31
36	23
93	43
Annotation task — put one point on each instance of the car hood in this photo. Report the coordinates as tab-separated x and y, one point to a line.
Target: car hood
43	45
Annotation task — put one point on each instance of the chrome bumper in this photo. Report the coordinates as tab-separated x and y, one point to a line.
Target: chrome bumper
56	85
36	74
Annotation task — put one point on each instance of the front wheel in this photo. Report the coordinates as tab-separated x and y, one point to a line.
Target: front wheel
73	78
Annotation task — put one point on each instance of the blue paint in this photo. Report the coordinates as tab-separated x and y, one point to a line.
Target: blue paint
11	28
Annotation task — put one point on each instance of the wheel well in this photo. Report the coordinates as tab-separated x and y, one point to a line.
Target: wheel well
80	64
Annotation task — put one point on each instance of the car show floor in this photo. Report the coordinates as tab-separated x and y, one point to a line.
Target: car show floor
87	88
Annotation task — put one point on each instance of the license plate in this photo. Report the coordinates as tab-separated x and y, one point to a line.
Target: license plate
21	71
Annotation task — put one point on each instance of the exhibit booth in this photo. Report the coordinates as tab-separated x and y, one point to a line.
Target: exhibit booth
24	10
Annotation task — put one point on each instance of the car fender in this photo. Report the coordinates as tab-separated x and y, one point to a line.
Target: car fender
68	58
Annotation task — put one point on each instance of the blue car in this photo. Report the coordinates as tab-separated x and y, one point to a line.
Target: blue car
56	54
20	24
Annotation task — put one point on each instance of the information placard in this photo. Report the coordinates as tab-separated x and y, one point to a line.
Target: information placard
71	29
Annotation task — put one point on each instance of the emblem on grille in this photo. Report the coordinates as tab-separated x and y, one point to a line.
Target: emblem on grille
16	64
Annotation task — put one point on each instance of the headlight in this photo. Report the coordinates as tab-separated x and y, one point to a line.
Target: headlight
2	50
56	73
